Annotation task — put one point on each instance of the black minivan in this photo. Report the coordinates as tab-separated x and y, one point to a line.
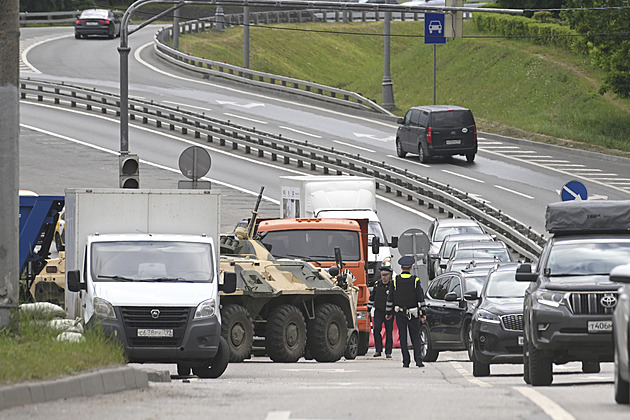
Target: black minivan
437	130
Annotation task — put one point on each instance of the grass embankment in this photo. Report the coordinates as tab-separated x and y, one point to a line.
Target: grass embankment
29	351
514	88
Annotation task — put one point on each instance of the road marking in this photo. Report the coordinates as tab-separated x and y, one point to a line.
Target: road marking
546	404
468	376
301	132
514	192
352	145
30	47
519	152
319	370
464	176
503	148
247	106
185	105
244	118
554	161
408	161
373	137
278	415
402	206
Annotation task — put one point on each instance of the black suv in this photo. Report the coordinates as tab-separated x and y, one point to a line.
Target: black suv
437	130
568	306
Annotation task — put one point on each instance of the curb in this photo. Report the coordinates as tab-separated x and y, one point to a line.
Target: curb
86	384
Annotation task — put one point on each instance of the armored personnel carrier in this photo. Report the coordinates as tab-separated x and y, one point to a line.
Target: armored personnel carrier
286	308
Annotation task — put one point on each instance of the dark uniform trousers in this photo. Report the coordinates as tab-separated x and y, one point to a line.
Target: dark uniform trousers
379	320
413	325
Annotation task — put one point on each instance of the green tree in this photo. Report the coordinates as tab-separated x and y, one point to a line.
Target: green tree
608	39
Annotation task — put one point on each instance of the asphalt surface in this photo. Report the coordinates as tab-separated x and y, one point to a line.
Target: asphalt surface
49	165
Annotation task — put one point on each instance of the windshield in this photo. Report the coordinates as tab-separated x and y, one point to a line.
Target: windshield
375	229
471	253
502	284
475	283
443	232
312	244
152	261
586	259
94	14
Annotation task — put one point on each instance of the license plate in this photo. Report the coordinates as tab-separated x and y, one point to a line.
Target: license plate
146	332
453	142
520	341
91	23
370	271
599	326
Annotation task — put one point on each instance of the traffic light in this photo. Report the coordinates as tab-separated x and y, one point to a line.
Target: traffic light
129	171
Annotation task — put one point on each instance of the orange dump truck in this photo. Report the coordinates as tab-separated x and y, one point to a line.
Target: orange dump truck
315	240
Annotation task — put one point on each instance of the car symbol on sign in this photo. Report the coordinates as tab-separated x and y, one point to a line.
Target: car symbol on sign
435	25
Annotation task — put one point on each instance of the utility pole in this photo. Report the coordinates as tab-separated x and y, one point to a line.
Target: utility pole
387	86
9	158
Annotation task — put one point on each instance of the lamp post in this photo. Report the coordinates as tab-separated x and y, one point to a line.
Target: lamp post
388	86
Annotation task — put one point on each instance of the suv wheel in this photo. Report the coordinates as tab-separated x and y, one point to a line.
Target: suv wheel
423	157
590	367
399	149
540	367
470	157
622	388
468	340
428	354
479	368
526	361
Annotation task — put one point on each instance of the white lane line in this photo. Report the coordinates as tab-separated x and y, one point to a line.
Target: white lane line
464	176
402	206
571	166
408	161
468	376
301	132
244	118
542	157
185	105
514	192
278	415
514	152
30	47
244	92
352	145
502	148
550	407
544	161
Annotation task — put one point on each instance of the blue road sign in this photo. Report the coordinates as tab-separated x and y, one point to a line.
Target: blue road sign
573	190
434	28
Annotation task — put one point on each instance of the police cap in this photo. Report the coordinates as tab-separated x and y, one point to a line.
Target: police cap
406	261
387	268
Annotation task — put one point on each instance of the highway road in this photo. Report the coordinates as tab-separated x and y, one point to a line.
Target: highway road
518	177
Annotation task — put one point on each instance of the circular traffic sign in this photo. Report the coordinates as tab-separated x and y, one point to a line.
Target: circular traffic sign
573	190
194	162
413	242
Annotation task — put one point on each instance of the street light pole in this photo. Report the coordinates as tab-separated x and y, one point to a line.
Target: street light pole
388	87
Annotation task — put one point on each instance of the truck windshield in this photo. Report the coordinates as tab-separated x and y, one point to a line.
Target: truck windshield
313	244
587	259
152	261
375	229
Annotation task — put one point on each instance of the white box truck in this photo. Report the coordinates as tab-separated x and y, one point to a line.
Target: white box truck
143	265
338	197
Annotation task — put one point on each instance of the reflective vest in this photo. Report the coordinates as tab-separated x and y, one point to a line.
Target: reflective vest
380	295
405	290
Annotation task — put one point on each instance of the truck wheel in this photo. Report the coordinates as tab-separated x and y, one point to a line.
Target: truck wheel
540	367
622	388
352	348
399	149
327	334
285	336
428	354
218	364
526	361
238	330
591	367
364	343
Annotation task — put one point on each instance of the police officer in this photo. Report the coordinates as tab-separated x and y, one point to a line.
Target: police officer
378	305
406	301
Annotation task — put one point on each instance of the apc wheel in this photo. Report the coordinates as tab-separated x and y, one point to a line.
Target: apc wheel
591	367
217	365
468	340
364	343
423	157
327	334
622	387
352	348
428	354
238	330
540	368
470	157
285	337
399	149
526	362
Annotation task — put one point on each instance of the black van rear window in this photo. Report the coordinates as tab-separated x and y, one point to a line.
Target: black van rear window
456	118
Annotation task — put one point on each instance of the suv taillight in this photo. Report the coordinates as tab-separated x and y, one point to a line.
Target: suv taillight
429	136
475	132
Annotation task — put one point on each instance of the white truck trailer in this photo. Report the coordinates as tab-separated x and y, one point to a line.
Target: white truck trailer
143	265
338	197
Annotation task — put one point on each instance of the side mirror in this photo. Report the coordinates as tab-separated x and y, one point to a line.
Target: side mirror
620	274
471	295
524	273
73	281
400	120
451	297
376	245
443	265
394	242
229	283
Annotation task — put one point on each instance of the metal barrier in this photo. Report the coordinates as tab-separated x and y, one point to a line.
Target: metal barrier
48	18
390	179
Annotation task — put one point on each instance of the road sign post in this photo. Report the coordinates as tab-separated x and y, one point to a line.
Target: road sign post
434	34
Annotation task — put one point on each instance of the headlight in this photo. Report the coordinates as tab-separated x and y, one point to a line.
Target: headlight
487	316
103	309
553	299
206	309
